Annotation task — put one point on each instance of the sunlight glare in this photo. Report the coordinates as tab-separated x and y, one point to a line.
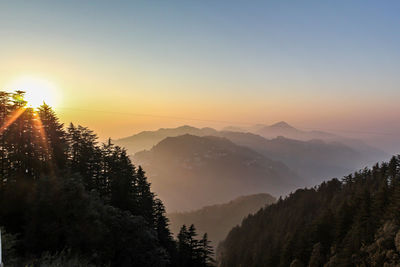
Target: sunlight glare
37	90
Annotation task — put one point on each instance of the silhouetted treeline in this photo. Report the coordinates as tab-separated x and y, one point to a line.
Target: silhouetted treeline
353	222
194	252
66	200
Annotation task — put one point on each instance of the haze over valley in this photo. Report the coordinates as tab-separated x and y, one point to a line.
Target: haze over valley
200	133
193	167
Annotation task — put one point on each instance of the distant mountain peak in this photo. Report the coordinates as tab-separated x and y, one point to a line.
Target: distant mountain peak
185	127
281	124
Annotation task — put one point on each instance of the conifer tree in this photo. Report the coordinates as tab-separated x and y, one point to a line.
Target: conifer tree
4	115
206	252
54	137
184	247
193	244
84	156
118	177
144	196
162	223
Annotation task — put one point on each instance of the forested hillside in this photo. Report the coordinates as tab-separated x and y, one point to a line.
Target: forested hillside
217	220
66	200
352	222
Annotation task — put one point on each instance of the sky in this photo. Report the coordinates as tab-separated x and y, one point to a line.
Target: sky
120	67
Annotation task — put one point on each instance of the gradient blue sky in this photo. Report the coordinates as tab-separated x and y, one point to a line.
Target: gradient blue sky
321	64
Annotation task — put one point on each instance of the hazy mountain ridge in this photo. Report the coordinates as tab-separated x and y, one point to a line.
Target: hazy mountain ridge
147	139
217	220
314	159
284	129
190	171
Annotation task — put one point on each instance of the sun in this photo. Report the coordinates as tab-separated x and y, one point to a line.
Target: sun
38	90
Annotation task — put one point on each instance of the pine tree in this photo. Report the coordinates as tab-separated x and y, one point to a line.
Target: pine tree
163	233
54	138
84	156
184	247
118	178
4	115
194	246
206	252
394	177
380	200
21	135
162	223
344	221
393	169
144	196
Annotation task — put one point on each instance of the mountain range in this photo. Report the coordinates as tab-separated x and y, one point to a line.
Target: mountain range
189	172
316	159
313	155
147	139
282	128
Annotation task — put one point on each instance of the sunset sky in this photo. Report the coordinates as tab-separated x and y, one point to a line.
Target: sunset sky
124	66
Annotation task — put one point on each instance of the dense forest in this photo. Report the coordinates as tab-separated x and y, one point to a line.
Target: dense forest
352	222
66	200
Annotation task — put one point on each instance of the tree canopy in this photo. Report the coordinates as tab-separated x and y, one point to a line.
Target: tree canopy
67	200
350	222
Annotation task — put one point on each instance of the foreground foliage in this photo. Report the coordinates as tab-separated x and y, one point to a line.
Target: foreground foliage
353	222
66	200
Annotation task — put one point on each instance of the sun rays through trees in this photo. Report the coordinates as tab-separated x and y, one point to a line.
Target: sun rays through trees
65	197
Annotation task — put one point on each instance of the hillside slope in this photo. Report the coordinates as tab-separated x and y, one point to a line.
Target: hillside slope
218	220
190	172
353	222
316	160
